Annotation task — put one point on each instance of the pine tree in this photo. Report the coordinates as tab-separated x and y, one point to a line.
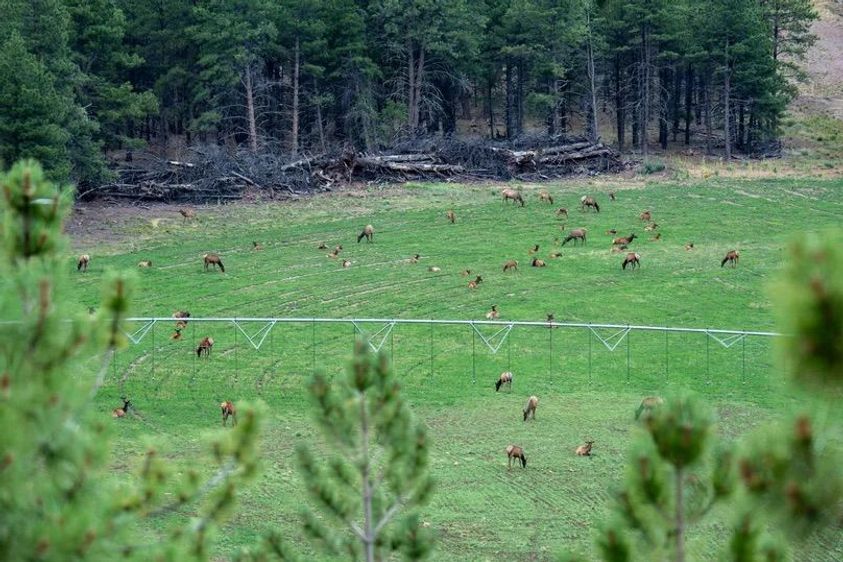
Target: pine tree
377	473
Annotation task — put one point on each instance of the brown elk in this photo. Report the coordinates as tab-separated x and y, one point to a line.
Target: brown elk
145	264
612	231
465	273
533	250
120	412
228	411
205	347
181	324
256	247
334	253
632	259
187	214
504	379
517	453
493	314
451	217
623	241
367	233
585	450
473	284
346	263
322	246
554	255
576	234
689	246
415	259
648	404
511	194
651	227
646	216
510	264
538	263
544	196
732	256
82	262
562	211
213	259
587	201
530	407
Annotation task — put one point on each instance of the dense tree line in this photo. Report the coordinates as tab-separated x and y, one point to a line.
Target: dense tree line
80	77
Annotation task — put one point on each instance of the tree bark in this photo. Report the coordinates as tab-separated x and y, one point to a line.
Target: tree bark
620	116
645	94
510	99
689	97
593	133
680	517
491	107
250	111
707	104
727	109
294	136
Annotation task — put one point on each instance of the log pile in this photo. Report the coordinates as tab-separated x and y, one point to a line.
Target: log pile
211	173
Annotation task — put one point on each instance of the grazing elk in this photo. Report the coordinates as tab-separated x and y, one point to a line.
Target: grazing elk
651	227
181	323
515	452
632	259
530	407
434	269
214	260
646	216
346	263
689	246
451	217
465	273
510	264
333	254
473	284
554	255
623	241
120	412
585	450
415	259
544	196
612	231
256	247
648	404
576	234
82	262
322	246
228	411
587	201
143	264
504	379
205	347
368	232
538	263
493	314
187	214
533	250
512	194
562	211
732	256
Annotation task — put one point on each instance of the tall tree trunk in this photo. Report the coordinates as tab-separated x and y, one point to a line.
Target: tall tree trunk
707	103
689	98
620	116
636	108
490	91
411	87
741	126
294	134
320	126
750	130
250	111
510	95
664	106
593	133
727	109
519	93
417	96
680	516
675	98
645	92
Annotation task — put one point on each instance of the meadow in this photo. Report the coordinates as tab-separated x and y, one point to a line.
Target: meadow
480	510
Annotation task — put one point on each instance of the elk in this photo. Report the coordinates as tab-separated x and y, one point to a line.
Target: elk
544	196
451	217
120	412
538	263
346	263
368	232
576	234
334	253
322	246
646	216
256	247
623	241
187	214
587	201
415	259
515	452
515	196
493	314
504	379
585	450
533	250
732	256
612	231
530	407
648	404
632	259
82	262
554	255
434	269
181	324
213	259
651	227
228	411
562	211
657	237
465	273
205	347
473	284
611	195
689	246
510	264
144	264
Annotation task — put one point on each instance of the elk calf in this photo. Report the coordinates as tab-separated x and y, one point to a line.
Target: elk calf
562	211
646	216
120	412
493	314
517	453
511	264
585	450
648	404
368	233
205	347
530	407
504	379
544	196
732	256
82	262
632	259
145	264
228	411
452	218
511	194
537	263
214	260
187	214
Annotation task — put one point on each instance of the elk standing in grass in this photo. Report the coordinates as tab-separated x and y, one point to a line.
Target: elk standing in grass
504	379
515	452
646	216
473	284
530	407
256	247
120	412
451	217
544	196
465	273
415	259
145	264
533	250
493	314
689	246
511	194
623	241
187	214
510	264
322	246
554	255
585	450
632	259
181	323
587	201
82	262
562	211
611	195
228	411
732	256
367	233
538	263
205	347
346	263
214	260
648	404
576	234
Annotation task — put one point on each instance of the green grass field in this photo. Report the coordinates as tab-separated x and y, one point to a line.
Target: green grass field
480	511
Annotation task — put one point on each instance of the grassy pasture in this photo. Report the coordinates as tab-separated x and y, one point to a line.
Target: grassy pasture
480	511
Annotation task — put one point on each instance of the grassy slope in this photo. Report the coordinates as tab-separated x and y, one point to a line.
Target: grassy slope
480	511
